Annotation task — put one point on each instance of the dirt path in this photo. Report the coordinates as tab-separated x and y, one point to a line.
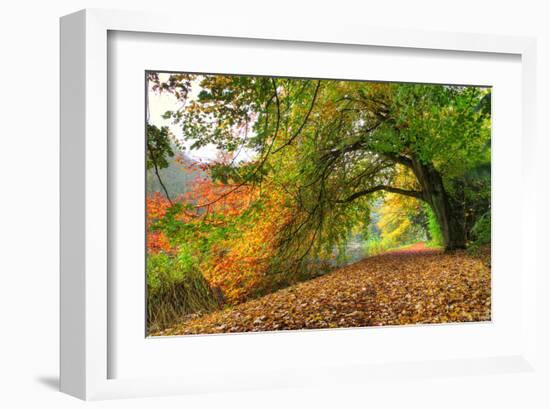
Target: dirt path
407	286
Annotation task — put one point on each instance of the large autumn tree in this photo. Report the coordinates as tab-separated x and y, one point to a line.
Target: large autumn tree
332	145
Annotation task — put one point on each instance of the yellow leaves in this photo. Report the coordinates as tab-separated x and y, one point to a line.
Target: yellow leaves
404	287
243	261
395	224
395	213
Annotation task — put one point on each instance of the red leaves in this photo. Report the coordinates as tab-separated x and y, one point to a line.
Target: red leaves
236	262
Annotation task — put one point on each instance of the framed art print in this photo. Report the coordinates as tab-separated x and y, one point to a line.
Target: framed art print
287	203
321	196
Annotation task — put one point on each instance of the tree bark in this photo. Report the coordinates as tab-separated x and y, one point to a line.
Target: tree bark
448	214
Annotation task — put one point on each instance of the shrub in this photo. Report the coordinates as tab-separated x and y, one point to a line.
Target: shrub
434	231
481	231
373	246
175	289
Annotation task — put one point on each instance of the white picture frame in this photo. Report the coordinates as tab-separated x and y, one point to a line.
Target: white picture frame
85	326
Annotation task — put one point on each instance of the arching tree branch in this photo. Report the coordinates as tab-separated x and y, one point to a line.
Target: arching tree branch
402	160
391	189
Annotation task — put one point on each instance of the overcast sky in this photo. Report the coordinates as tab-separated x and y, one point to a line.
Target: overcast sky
160	103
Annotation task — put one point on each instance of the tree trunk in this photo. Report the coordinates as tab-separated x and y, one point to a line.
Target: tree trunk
448	214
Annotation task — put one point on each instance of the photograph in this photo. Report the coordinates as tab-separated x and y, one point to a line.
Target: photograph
259	205
282	203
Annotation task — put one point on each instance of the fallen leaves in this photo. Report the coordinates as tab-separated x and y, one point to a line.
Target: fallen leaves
412	286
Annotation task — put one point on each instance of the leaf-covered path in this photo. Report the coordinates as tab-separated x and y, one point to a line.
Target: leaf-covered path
409	286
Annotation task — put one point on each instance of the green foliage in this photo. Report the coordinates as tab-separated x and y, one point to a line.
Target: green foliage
477	195
327	141
341	254
434	231
331	150
177	84
443	125
373	246
481	231
175	288
159	147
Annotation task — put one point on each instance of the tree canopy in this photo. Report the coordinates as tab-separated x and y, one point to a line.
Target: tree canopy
332	144
324	158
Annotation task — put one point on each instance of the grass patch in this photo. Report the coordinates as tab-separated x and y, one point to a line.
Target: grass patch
176	290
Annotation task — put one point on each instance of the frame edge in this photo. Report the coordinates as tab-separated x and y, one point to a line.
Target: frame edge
72	207
83	353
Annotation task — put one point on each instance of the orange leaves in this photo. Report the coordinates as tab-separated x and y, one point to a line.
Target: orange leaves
412	286
157	205
233	248
215	197
243	260
157	242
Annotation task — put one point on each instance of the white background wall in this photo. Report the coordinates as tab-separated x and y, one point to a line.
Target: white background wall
29	197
